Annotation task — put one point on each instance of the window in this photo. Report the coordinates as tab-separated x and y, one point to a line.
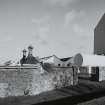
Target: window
59	64
68	64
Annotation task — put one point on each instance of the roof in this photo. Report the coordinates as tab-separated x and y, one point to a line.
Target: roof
62	59
30	47
31	60
24	50
65	59
46	57
101	20
50	57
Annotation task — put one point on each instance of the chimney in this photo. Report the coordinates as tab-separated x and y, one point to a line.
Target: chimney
24	52
30	50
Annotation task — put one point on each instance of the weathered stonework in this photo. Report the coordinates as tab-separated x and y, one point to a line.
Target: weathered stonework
18	82
101	73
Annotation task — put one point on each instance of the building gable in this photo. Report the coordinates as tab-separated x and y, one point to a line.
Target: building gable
99	37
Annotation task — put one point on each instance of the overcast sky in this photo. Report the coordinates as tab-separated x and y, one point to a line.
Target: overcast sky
60	27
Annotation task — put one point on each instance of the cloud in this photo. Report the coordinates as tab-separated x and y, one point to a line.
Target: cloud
72	15
60	2
69	17
74	22
9	38
6	37
82	32
41	35
78	29
43	32
42	28
42	20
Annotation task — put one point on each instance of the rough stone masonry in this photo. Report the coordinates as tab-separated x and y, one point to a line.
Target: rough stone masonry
19	82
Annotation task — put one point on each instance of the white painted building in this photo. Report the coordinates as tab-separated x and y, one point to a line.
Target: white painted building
54	60
60	62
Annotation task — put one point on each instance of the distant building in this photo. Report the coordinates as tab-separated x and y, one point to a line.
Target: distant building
99	37
66	61
24	58
54	60
30	58
99	46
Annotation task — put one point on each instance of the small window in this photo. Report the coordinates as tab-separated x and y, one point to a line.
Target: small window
59	64
68	64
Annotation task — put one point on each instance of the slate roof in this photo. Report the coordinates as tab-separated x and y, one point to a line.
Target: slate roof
65	59
31	60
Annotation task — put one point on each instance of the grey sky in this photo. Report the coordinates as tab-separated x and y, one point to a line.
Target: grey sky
60	27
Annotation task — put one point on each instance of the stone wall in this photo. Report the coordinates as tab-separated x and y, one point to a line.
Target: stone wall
18	82
101	73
